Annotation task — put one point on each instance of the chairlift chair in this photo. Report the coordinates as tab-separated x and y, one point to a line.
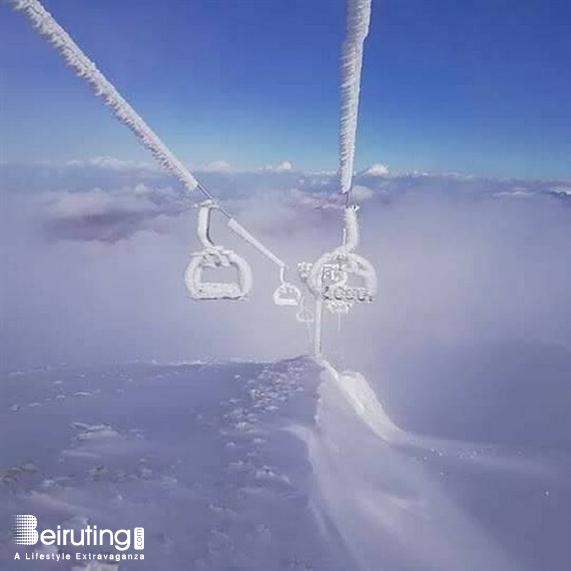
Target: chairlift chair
215	257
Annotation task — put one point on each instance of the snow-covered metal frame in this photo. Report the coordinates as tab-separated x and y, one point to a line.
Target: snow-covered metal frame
286	294
215	257
328	277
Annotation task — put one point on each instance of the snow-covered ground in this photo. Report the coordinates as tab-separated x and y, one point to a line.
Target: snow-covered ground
266	466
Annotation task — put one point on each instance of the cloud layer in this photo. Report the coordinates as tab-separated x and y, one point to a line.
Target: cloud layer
108	199
92	258
109	216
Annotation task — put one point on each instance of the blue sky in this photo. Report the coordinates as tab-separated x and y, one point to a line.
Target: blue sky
470	86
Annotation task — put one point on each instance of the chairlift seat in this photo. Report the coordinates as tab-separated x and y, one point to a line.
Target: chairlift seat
286	294
200	289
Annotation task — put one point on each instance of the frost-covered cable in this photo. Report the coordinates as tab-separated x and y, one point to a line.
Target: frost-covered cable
245	235
358	19
46	25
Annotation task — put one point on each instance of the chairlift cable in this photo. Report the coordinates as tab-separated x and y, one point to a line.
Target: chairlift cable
358	21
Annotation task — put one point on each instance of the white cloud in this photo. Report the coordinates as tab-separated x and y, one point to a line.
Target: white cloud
517	193
108	216
97	202
111	163
361	193
378	169
284	166
217	166
562	190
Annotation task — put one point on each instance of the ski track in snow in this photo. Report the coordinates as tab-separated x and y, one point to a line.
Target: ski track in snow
259	466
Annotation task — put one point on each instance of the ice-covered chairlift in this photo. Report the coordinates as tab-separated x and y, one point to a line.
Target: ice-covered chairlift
286	294
328	278
304	315
215	257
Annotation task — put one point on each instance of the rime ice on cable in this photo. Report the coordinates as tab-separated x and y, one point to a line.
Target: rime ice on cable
358	19
46	25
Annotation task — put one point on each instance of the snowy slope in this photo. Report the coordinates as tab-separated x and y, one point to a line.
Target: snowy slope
266	466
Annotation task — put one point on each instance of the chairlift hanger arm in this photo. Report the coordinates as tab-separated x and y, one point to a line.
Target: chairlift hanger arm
234	225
